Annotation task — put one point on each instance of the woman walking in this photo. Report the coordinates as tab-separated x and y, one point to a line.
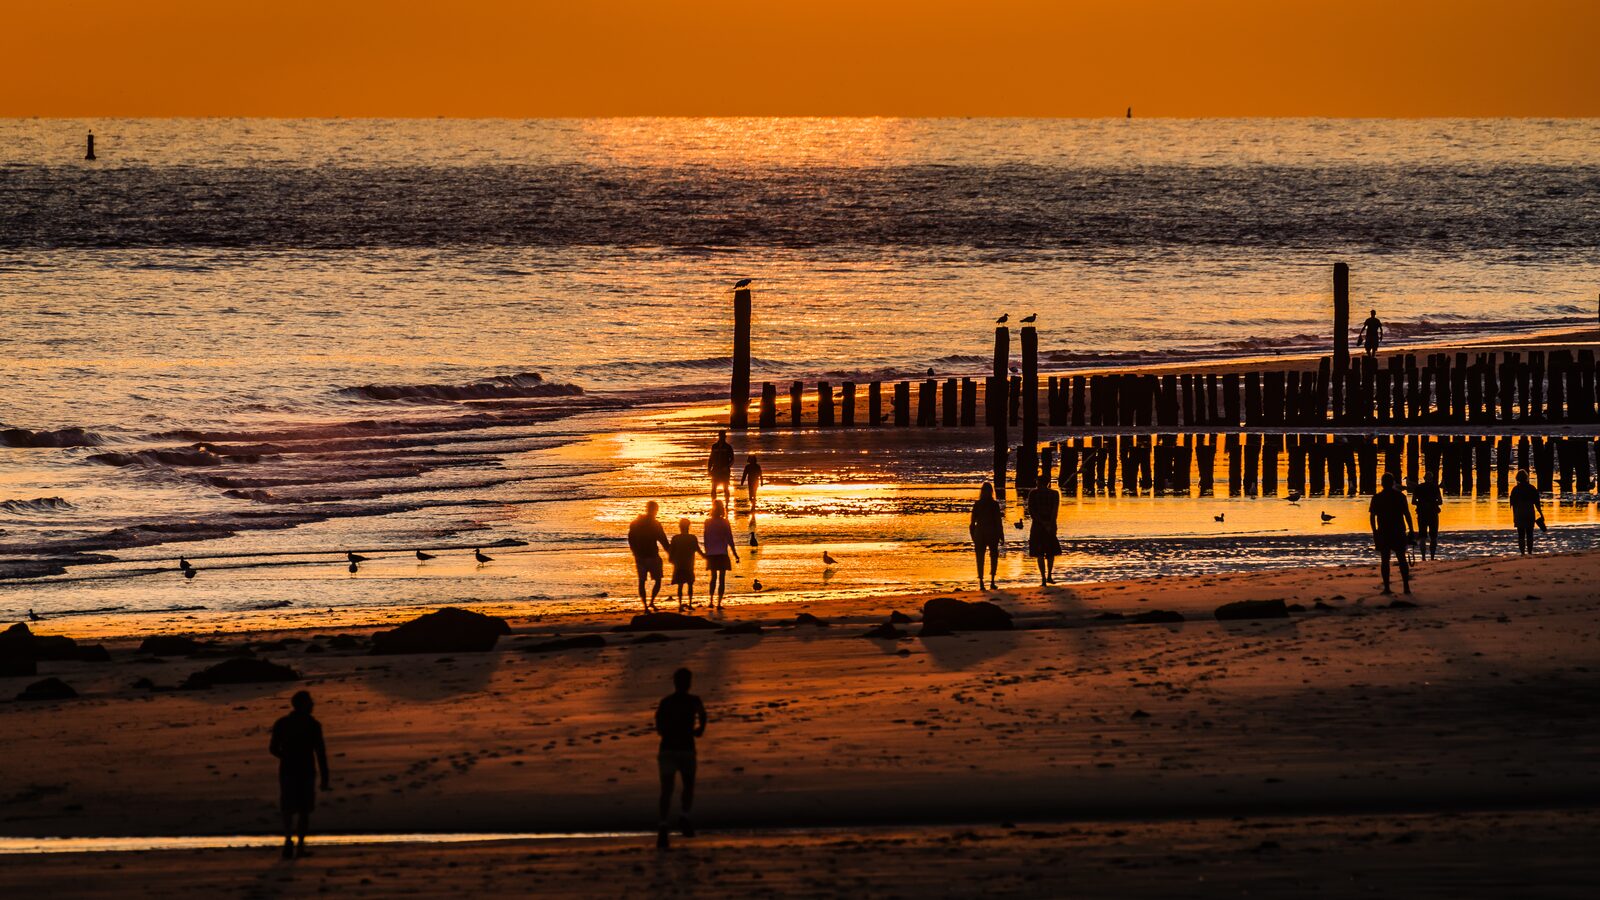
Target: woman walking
1526	511
1044	546
718	546
987	527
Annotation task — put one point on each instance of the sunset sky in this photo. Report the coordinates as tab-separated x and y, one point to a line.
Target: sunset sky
788	57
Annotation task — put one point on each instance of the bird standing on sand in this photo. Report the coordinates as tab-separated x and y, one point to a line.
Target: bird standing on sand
183	564
423	557
477	554
1031	318
1004	318
1218	516
1326	518
742	283
354	557
189	572
1294	497
828	559
33	616
756	585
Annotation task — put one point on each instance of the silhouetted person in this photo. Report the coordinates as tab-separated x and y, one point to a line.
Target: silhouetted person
988	528
682	551
750	480
1526	511
644	535
719	546
1428	500
720	467
1390	517
680	718
1372	333
1044	502
297	743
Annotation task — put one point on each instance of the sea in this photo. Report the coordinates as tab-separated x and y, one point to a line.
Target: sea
261	343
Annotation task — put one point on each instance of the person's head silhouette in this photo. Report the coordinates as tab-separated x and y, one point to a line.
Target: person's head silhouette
651	508
1522	476
681	680
301	702
986	492
718	511
1388	480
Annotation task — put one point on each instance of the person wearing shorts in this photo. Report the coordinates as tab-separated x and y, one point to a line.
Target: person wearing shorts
644	535
298	745
720	467
682	551
680	718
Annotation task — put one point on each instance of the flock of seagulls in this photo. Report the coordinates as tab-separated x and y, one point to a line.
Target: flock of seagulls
354	561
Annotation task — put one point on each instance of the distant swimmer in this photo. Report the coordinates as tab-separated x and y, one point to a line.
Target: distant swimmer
354	557
423	557
742	283
1031	318
1372	333
478	555
1004	318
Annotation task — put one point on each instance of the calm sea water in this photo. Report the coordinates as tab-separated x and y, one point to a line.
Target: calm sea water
330	330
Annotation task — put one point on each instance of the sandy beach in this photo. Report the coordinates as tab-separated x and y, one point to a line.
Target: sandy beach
1345	718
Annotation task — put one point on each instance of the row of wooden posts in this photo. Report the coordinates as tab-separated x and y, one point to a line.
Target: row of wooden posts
1476	389
1312	464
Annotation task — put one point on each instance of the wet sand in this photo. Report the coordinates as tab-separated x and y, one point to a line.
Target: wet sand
1481	698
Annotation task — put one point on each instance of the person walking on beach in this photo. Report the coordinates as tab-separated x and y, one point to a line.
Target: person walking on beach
1044	502
644	535
682	551
988	528
1527	510
718	546
720	467
1372	333
1390	518
750	480
680	718
298	745
1428	500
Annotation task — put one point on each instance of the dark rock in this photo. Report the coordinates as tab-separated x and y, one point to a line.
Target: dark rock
448	630
143	684
241	671
170	645
344	642
270	646
741	628
943	615
1139	714
1319	605
899	618
668	621
1402	604
1252	609
1110	617
95	653
315	648
806	618
653	639
1297	607
1158	616
885	631
48	689
54	648
16	652
582	642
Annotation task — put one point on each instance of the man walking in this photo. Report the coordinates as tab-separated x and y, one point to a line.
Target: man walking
297	743
1391	529
720	467
1372	333
680	718
645	534
1428	500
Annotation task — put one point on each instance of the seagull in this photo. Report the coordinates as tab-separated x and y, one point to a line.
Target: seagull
354	557
189	572
828	560
423	557
1326	518
34	617
1294	497
1019	523
354	567
742	283
477	554
1032	317
756	584
1218	516
1003	319
183	563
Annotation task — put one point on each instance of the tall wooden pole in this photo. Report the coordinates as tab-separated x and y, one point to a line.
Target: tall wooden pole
999	390
1341	320
1027	460
739	416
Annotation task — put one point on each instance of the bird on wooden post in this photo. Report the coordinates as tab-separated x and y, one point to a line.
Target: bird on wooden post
1004	318
742	283
1030	319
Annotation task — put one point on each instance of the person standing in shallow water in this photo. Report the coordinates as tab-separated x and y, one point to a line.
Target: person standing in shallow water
684	548
720	467
1527	509
644	535
1372	333
718	546
680	718
1044	503
298	745
1429	500
988	528
750	480
1391	529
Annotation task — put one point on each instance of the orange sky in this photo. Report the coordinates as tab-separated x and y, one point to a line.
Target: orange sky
786	57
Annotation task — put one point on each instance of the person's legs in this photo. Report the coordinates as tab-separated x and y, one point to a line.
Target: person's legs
305	825
288	833
642	575
686	767
978	550
994	563
1050	568
1043	579
1405	569
655	588
668	772
1383	551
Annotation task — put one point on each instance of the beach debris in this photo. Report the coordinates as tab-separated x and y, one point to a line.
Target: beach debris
48	689
1297	607
19	643
946	615
1252	609
424	557
581	642
806	618
741	628
169	645
885	631
448	630
315	648
478	554
899	618
143	684
1157	616
667	621
240	671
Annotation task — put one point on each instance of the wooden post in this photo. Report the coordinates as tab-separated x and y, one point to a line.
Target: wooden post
902	404
969	403
89	151
1252	398
1316	466
1367	459
1079	387
1027	459
1252	464
1297	463
952	403
1502	481
847	408
875	403
927	414
797	402
1272	446
1324	386
1186	386
769	405
739	416
1168	417
1341	319
1272	394
1230	400
995	403
1235	467
1535	386
824	405
1206	462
